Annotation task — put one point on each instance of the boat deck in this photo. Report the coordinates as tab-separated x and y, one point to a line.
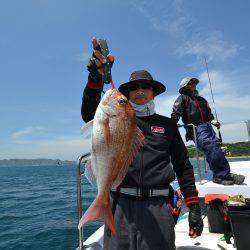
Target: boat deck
207	241
239	167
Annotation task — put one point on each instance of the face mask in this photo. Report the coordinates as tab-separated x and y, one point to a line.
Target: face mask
144	109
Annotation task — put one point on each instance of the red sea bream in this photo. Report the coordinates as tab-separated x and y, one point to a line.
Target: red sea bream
115	141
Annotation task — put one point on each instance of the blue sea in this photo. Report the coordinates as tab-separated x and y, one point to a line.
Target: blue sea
38	208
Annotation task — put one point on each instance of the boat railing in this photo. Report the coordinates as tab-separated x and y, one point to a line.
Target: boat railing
81	160
198	152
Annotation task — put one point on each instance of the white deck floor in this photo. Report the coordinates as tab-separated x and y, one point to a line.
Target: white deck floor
207	241
208	187
95	241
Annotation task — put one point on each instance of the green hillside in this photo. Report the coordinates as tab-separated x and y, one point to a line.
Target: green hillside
238	149
232	149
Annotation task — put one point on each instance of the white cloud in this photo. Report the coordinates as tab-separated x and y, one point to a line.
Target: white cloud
175	19
22	142
234	132
164	104
211	45
170	17
26	131
65	148
30	142
22	132
221	82
230	101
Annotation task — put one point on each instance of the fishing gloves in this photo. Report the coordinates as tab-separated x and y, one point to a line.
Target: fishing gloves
195	220
216	124
93	66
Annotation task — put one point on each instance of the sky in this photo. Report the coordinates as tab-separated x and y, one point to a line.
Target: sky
45	46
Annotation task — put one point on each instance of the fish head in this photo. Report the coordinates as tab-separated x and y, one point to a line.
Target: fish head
114	103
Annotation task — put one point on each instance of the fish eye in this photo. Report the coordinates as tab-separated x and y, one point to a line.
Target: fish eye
122	101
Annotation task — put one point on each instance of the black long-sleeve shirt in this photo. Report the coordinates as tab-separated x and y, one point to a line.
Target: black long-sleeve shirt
163	156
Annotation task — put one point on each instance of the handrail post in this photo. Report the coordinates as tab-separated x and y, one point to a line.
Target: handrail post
197	153
79	200
79	197
205	163
196	149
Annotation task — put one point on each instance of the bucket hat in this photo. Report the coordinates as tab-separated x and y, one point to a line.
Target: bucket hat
185	81
141	76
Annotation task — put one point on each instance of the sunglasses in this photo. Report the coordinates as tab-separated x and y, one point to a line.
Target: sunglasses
192	83
140	85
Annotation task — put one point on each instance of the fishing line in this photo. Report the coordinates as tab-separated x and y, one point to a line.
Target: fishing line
112	84
211	90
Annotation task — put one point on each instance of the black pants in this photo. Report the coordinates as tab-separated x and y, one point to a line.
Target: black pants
141	224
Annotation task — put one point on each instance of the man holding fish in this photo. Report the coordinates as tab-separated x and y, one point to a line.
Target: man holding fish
135	155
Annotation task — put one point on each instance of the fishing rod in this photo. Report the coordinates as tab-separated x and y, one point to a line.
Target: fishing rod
216	116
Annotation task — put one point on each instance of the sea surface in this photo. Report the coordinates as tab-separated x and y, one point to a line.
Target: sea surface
38	208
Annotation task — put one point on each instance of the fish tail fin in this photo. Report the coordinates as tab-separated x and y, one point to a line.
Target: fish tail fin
99	211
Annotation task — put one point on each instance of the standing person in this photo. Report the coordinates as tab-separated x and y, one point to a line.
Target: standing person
142	203
194	109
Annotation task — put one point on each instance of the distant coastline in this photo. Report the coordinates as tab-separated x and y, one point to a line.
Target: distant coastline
228	157
34	162
242	156
51	162
236	150
232	150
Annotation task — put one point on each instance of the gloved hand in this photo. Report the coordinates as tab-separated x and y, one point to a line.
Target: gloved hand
216	124
95	63
195	221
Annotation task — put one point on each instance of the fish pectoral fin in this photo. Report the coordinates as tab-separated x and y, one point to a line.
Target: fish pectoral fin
87	129
139	139
89	173
137	142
